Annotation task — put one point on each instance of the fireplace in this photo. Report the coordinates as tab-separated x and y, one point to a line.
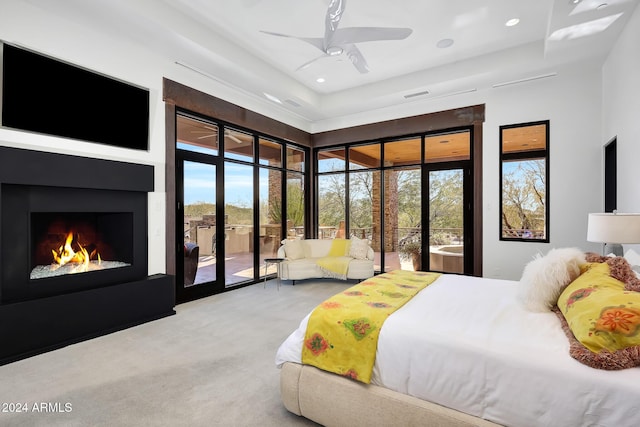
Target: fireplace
73	251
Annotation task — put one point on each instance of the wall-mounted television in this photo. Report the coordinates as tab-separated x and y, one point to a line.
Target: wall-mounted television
44	95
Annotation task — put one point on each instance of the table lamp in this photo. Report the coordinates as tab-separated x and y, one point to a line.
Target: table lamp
613	229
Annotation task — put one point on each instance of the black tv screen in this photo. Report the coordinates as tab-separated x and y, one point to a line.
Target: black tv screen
44	95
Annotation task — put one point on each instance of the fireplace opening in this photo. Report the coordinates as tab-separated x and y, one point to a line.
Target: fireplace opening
72	242
40	226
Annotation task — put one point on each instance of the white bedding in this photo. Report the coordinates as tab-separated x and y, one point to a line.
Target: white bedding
466	343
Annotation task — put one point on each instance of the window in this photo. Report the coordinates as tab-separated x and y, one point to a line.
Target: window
524	182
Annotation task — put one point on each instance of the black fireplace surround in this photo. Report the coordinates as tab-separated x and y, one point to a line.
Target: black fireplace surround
43	194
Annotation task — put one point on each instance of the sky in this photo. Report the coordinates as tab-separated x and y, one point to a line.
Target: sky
200	184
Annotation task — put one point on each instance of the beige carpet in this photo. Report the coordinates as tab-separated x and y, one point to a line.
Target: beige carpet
212	364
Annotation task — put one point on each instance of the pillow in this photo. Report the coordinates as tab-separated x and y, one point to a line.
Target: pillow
619	268
339	247
601	318
359	248
294	249
544	278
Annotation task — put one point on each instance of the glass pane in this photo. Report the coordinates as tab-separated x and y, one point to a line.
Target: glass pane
364	156
295	159
400	153
270	153
238	145
446	226
331	205
238	235
402	215
365	209
447	147
199	223
523	199
524	185
270	215
196	135
295	205
331	160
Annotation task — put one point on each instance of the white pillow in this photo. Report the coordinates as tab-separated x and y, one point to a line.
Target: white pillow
294	249
359	248
544	278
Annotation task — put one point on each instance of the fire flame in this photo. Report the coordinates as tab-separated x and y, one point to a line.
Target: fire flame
65	254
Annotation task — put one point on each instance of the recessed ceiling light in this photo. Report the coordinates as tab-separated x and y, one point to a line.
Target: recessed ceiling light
584	29
511	22
272	98
444	43
320	80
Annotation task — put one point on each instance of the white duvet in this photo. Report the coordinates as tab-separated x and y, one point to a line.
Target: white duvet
466	343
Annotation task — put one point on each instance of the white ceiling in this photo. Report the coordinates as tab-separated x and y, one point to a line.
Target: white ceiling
222	40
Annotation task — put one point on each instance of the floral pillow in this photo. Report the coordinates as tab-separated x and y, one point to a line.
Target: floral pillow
601	318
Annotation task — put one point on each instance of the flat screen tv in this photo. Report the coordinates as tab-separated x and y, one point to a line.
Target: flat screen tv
44	95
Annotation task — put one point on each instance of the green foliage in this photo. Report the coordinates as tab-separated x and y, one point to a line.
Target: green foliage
199	209
295	202
331	199
409	245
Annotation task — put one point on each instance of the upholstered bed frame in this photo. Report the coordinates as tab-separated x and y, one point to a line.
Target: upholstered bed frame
332	400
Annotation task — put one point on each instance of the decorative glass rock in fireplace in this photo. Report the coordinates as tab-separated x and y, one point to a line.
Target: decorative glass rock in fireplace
72	242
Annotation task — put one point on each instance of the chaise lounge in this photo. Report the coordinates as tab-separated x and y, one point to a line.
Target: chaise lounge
303	259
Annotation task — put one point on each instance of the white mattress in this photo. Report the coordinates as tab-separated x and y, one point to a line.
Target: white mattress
466	343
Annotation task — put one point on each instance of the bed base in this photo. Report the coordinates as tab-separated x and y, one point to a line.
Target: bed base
332	400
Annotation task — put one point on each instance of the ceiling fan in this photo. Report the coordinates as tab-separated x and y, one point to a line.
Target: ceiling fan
213	133
337	41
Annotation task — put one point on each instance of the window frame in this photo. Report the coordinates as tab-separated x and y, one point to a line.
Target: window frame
522	156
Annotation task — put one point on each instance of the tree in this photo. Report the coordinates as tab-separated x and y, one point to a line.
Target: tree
523	197
331	199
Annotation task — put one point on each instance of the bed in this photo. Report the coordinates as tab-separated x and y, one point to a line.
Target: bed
463	351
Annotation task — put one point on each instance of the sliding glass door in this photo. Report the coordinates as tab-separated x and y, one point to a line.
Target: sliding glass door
410	197
238	195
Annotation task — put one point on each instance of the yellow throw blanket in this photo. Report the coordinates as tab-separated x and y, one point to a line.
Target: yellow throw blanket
342	332
336	263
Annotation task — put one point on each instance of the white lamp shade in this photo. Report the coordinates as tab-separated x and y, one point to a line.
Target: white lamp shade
614	227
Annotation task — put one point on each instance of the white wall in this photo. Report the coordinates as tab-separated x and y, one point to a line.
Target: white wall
571	101
621	113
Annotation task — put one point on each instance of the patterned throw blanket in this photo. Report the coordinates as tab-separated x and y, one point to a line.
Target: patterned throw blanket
342	332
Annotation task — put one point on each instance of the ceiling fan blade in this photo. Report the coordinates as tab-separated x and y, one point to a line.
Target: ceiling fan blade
356	58
316	42
308	63
331	21
369	34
